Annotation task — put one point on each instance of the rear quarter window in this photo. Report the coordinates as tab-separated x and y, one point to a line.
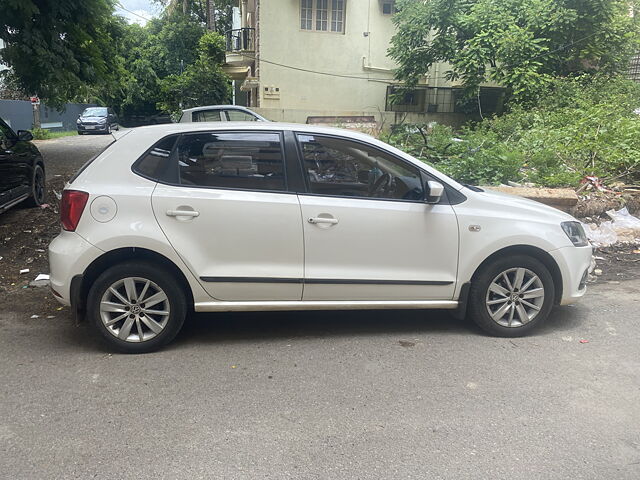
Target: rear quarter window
155	163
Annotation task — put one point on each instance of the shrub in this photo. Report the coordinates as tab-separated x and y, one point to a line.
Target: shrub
583	126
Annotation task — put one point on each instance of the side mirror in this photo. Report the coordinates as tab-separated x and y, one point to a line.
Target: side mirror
24	135
433	191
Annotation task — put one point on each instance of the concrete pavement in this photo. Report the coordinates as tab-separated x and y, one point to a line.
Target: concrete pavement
326	395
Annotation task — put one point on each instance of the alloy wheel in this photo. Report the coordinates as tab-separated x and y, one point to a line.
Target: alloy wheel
134	309
515	297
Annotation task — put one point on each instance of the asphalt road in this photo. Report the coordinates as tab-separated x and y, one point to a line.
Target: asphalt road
324	395
65	155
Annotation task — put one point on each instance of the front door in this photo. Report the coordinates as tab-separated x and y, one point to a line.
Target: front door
230	217
14	166
368	234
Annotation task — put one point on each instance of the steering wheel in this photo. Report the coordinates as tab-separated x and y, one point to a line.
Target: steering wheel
381	185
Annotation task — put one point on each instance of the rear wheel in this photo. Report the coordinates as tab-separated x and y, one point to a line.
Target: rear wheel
136	307
511	296
38	188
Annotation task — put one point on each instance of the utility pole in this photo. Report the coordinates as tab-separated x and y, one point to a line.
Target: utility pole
211	15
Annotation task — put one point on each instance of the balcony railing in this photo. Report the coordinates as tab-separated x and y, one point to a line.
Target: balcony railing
241	39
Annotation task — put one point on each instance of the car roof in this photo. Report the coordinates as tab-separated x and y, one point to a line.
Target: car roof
219	107
169	128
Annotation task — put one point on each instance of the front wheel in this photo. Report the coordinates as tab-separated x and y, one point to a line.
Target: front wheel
136	307
511	296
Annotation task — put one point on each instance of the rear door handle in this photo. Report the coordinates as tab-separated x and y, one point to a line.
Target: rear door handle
182	213
315	220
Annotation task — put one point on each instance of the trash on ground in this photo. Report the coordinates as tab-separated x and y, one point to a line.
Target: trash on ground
45	205
584	341
597	271
42	280
24	270
622	228
57	194
35	316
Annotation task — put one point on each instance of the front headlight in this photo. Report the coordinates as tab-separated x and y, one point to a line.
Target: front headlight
78	121
102	120
576	234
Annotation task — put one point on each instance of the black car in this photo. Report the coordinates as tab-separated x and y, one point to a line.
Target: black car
21	169
97	120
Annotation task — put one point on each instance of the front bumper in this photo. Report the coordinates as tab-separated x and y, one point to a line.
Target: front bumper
100	127
574	263
69	256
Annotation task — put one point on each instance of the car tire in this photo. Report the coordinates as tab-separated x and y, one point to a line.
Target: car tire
121	291
511	296
38	187
108	130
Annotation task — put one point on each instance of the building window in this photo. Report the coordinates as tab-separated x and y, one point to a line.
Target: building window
388	8
322	15
306	14
337	16
442	100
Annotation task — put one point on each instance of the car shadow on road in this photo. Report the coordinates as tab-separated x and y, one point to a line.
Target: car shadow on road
249	326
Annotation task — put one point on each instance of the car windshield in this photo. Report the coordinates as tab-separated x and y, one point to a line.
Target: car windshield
95	112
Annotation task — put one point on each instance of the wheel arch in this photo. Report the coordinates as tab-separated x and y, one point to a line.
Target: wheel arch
81	285
531	251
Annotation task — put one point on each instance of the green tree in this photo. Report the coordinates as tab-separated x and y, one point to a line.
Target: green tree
202	83
519	44
56	48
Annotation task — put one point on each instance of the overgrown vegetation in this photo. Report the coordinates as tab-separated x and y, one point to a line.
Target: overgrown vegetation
44	134
581	126
521	45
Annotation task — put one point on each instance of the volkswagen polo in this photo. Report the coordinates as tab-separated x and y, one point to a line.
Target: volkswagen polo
215	217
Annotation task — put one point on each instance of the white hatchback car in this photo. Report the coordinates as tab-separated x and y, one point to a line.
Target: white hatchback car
267	216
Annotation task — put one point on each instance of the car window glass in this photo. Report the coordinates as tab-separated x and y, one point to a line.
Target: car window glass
95	112
155	162
6	135
240	116
341	167
207	116
252	161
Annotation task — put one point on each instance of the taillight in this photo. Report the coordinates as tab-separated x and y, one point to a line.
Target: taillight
71	208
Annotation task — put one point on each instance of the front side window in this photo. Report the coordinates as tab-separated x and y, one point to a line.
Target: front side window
322	15
207	116
240	116
341	167
248	161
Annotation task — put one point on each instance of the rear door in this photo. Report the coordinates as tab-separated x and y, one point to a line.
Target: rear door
230	217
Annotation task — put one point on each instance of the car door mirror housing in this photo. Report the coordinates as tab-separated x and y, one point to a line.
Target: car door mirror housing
433	191
24	135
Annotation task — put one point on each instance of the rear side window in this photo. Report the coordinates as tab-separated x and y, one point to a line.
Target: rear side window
248	161
156	162
207	116
240	116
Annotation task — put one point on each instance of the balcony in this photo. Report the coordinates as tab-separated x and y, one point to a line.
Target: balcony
240	47
240	40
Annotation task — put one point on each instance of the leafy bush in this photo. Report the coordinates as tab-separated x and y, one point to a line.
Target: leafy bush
40	133
583	126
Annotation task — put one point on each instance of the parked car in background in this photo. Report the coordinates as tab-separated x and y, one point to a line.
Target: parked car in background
218	217
97	120
22	176
220	113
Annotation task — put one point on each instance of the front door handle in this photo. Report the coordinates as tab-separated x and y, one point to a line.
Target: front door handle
314	220
182	213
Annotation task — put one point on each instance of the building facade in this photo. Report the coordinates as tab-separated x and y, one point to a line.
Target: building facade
296	59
